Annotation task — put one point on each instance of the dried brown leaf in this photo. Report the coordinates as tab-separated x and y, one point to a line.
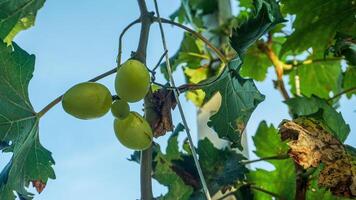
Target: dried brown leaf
160	103
312	144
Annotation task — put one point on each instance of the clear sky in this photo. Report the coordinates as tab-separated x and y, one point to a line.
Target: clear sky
77	40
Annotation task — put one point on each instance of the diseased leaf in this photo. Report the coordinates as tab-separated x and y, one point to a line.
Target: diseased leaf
317	79
19	125
317	22
281	180
304	106
239	99
16	16
311	144
316	192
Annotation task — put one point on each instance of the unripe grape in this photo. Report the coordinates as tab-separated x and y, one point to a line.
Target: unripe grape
132	81
87	100
133	132
120	109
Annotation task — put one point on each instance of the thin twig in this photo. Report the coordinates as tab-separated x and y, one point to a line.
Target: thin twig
159	61
277	157
58	99
176	95
196	34
118	59
341	93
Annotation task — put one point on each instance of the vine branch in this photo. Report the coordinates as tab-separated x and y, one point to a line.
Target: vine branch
278	65
140	54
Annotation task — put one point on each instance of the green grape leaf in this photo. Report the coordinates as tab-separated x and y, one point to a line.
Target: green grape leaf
176	170
304	106
172	149
317	22
255	64
195	76
30	161
16	16
281	180
165	171
240	97
190	54
317	79
266	15
222	168
349	80
165	175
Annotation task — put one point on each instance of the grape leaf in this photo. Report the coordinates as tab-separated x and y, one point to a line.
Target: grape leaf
317	22
281	180
304	106
190	54
176	170
239	99
266	15
19	125
317	78
16	16
349	80
222	168
165	175
255	64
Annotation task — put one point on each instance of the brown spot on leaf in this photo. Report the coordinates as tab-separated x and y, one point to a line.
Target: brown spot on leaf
39	185
311	144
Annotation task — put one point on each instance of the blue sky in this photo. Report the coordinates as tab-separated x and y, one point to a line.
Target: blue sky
77	40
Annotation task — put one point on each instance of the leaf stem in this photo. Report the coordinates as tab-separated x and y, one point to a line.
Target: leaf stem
277	157
118	60
266	47
341	93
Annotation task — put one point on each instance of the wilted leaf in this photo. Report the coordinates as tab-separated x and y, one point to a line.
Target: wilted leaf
311	144
159	105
